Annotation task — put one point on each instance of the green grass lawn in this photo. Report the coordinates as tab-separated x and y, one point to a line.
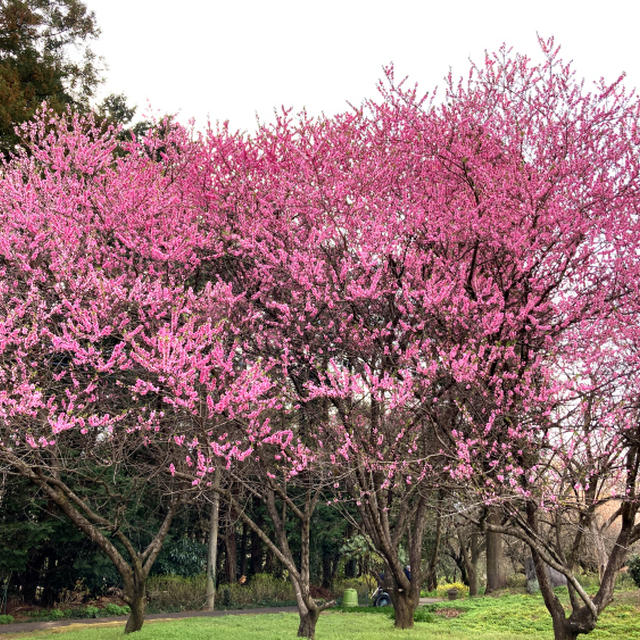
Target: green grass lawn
510	617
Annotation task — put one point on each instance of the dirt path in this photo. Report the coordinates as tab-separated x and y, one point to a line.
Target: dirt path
24	627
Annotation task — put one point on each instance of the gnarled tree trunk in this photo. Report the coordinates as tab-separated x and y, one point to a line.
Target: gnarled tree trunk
404	607
134	597
582	619
470	555
278	504
133	570
308	620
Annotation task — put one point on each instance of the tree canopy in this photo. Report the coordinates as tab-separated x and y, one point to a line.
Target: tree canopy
414	300
44	56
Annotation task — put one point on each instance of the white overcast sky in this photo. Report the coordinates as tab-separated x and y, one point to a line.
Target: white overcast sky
233	59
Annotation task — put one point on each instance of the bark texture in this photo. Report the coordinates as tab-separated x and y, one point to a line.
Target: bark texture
496	578
212	555
308	620
135	600
404	607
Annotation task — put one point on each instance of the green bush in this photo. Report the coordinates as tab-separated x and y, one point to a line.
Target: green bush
225	595
116	610
634	569
184	557
423	615
462	589
89	611
38	615
6	619
262	589
55	614
175	593
265	589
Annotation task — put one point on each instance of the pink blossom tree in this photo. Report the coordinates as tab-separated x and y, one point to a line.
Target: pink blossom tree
319	294
414	297
537	234
98	262
425	266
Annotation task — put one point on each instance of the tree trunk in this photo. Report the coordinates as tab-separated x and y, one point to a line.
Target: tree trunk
496	578
581	621
212	554
404	607
432	577
328	567
256	555
470	556
135	600
256	550
231	556
472	578
308	620
460	561
562	631
30	581
279	547
599	547
243	550
133	573
270	562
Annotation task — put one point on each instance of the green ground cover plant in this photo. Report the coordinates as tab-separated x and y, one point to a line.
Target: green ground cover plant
87	611
510	617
